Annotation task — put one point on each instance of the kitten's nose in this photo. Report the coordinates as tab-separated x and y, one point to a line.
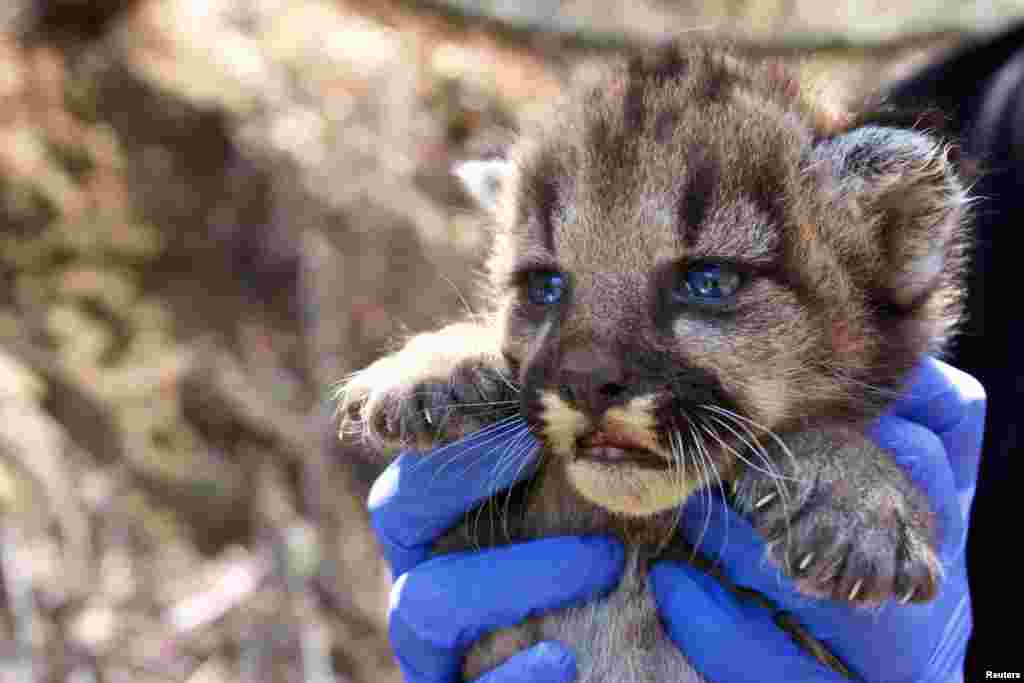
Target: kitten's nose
592	380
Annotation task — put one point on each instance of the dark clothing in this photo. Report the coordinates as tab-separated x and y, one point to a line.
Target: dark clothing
982	88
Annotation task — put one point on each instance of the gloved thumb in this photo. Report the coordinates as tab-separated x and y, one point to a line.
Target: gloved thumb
725	637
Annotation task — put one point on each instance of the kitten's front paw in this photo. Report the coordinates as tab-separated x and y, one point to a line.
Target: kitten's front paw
402	403
846	525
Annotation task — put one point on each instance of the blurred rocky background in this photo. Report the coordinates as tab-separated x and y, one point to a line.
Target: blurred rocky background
210	212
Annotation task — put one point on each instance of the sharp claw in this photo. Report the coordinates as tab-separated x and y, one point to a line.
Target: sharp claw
806	562
426	416
908	596
764	501
856	589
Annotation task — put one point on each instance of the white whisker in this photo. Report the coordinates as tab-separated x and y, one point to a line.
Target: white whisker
524	455
473	443
771	471
764	500
775	437
678	465
721	488
699	463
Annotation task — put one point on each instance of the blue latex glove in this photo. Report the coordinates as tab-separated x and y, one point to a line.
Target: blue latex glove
935	433
441	605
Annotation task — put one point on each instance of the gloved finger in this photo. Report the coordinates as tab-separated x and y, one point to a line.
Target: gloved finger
420	495
859	637
951	404
725	638
445	604
923	456
719	532
546	662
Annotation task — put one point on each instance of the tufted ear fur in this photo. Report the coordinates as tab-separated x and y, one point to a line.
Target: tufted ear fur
903	184
484	180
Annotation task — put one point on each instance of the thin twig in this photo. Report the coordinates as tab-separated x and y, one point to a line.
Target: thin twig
233	584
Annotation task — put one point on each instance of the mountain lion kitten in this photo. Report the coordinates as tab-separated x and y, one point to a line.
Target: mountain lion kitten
700	281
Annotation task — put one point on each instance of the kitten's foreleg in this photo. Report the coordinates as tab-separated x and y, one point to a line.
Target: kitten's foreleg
438	388
851	525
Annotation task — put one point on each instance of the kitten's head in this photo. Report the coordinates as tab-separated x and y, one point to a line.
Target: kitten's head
689	253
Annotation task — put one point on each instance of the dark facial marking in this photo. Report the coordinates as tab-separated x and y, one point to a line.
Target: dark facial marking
717	83
690	387
541	362
541	202
633	101
664	125
670	64
598	134
768	195
661	311
702	177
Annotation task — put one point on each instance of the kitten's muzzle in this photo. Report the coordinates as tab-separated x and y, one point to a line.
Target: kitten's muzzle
615	448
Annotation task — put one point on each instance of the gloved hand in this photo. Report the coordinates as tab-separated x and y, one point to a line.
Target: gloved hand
935	433
441	605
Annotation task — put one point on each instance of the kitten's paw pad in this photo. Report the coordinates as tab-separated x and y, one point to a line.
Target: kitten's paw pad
843	542
394	410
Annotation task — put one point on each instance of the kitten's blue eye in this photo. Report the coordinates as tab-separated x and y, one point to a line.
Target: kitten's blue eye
545	288
709	282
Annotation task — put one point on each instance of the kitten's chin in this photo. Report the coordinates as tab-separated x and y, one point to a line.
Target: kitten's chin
628	488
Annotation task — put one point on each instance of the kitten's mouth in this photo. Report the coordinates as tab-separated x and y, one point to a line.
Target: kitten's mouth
613	448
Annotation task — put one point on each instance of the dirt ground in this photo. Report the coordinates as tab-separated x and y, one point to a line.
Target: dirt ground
210	212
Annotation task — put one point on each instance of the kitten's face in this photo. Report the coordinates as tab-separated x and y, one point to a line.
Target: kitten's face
680	274
655	330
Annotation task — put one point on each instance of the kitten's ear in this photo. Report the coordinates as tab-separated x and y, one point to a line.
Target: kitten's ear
903	183
484	180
